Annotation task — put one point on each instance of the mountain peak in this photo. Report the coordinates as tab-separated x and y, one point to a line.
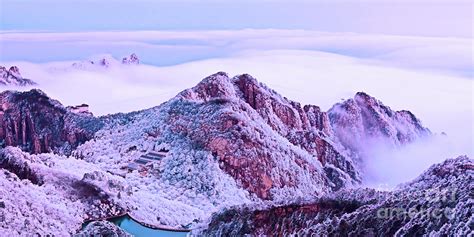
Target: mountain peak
12	77
37	124
132	59
350	124
364	119
15	71
215	86
106	61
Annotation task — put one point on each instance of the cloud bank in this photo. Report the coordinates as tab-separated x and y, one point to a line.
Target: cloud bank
442	55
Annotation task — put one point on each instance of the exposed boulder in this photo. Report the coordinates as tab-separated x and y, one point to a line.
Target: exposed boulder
18	164
102	228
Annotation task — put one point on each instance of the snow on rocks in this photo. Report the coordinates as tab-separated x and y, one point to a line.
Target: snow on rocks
229	142
438	203
70	192
102	228
35	208
364	121
13	77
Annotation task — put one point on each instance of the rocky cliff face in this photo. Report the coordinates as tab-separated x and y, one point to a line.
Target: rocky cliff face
336	138
305	127
12	77
102	228
38	124
438	203
364	121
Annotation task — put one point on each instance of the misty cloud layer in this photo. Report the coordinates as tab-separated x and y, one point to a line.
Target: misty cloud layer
446	55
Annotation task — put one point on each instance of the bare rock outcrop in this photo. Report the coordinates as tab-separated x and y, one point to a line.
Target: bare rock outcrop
13	77
38	124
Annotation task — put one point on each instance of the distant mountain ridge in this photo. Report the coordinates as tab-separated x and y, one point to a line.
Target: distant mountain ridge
12	77
107	61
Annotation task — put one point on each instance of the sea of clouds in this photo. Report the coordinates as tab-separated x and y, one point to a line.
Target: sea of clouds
432	77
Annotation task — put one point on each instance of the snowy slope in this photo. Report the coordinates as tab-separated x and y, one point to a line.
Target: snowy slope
48	194
364	121
12	77
227	142
438	203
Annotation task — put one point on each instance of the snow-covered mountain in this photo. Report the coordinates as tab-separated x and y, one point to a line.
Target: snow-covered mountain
225	142
12	77
364	121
